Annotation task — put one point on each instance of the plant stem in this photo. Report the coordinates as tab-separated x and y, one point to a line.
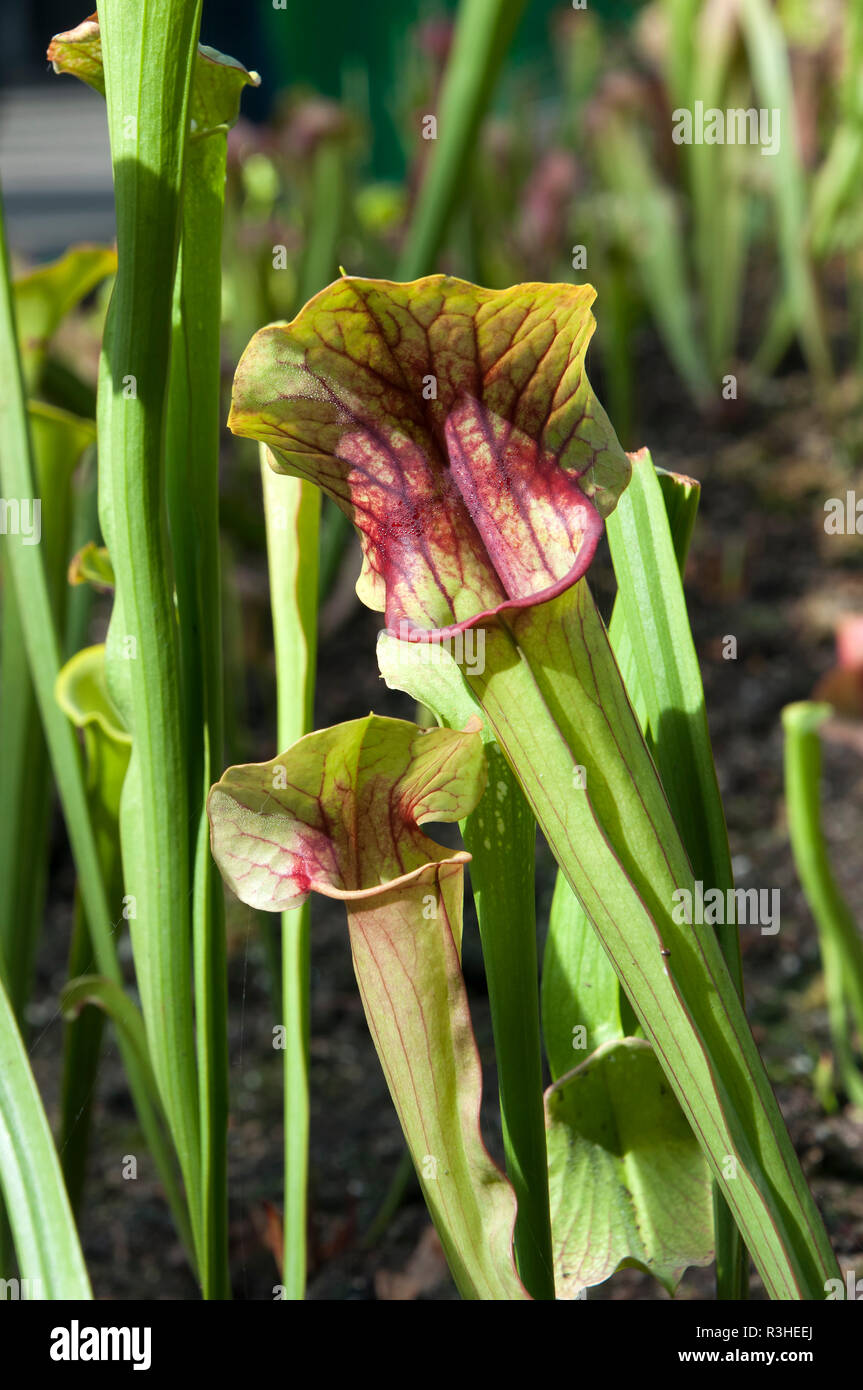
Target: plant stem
192	479
649	535
501	837
841	943
46	1241
403	1176
292	509
148	57
58	440
43	655
82	1046
293	512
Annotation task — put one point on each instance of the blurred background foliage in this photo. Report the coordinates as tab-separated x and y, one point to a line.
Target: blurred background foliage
722	273
733	258
726	278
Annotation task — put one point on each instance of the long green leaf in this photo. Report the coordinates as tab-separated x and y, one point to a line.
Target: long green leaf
192	477
42	299
292	510
148	58
109	1000
46	1242
651	621
59	440
839	935
81	694
107	995
43	656
555	700
648	226
650	634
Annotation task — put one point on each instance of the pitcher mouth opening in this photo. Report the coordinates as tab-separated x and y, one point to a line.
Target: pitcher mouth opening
408	631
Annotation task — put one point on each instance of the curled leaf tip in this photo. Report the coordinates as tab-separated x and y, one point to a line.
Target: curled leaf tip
456	426
339	812
217	83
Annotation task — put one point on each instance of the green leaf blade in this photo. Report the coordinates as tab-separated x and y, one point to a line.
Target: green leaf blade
46	1242
549	723
628	1181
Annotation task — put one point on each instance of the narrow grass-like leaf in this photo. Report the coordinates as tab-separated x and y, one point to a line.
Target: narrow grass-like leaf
108	996
43	655
42	299
82	1050
651	620
840	939
148	57
681	20
84	1025
651	636
716	179
82	696
59	440
292	511
85	525
192	477
326	215
46	1242
833	192
837	181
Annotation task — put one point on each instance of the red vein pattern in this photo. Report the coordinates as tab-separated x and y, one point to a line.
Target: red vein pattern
339	813
455	426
